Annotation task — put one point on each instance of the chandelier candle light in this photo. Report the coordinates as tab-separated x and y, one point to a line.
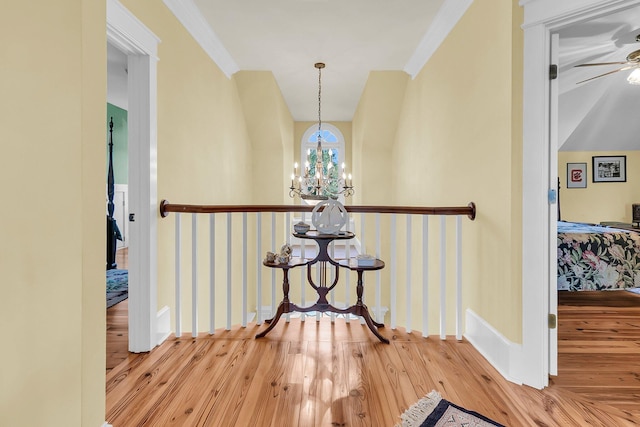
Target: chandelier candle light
320	179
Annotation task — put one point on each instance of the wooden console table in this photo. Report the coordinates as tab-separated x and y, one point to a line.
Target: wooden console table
322	288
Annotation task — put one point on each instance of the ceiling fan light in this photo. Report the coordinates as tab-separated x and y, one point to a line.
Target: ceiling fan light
634	77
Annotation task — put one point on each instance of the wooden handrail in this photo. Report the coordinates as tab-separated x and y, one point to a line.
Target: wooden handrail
166	208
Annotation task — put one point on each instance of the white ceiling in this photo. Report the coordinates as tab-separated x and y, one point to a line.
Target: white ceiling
602	114
354	37
351	37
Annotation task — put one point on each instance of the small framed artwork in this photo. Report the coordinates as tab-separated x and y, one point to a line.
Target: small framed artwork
609	168
576	175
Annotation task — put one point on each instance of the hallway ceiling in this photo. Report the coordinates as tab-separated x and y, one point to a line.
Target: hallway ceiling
352	37
602	114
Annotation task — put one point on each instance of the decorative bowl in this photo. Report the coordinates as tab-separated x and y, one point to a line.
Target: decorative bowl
301	227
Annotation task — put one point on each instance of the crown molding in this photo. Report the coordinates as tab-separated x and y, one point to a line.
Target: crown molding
191	18
553	13
447	17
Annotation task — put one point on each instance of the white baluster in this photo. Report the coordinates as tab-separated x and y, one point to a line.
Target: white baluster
273	270
229	275
319	283
212	274
303	277
194	275
244	270
346	279
378	313
459	277
287	230
287	227
363	248
425	276
178	277
392	273
443	277
259	267
332	298
408	273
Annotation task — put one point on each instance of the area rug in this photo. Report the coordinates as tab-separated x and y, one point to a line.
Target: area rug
434	411
117	286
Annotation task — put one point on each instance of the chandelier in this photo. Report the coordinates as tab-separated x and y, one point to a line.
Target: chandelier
320	179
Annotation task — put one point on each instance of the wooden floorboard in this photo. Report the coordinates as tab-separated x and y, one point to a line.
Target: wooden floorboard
599	347
118	322
336	374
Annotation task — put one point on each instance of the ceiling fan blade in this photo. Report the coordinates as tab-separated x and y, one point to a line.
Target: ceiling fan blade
610	72
601	63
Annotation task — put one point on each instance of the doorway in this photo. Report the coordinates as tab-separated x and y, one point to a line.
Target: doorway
542	18
130	36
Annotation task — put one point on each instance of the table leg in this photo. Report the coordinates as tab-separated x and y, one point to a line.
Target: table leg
283	308
363	310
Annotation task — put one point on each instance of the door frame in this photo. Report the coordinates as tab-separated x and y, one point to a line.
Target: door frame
541	19
132	37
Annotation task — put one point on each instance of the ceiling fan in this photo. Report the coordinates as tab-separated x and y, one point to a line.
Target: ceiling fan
633	61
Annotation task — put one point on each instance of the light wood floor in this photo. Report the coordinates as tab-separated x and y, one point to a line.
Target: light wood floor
117	334
323	374
599	347
117	322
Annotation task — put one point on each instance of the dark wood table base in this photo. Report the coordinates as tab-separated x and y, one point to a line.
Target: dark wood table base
322	305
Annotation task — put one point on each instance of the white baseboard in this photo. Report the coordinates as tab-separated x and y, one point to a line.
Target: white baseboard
501	353
163	324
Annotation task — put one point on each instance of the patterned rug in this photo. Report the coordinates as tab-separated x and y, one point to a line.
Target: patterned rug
117	286
434	411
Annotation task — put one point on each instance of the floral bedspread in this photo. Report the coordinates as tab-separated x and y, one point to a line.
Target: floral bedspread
594	258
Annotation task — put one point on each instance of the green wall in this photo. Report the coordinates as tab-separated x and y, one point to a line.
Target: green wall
120	143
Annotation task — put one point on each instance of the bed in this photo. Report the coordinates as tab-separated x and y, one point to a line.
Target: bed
594	257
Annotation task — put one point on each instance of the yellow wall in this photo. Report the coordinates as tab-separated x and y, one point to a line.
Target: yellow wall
375	124
600	201
53	85
211	151
457	141
270	127
464	123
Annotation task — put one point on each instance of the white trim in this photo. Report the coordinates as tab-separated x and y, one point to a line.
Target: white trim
447	17
501	353
541	18
163	323
191	18
305	144
127	33
556	14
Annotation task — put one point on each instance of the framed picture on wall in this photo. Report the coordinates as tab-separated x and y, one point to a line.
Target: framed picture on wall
576	175
609	168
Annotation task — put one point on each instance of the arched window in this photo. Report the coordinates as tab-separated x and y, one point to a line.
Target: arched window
332	147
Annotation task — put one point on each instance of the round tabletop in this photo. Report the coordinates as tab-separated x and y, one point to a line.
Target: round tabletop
352	264
293	262
316	235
